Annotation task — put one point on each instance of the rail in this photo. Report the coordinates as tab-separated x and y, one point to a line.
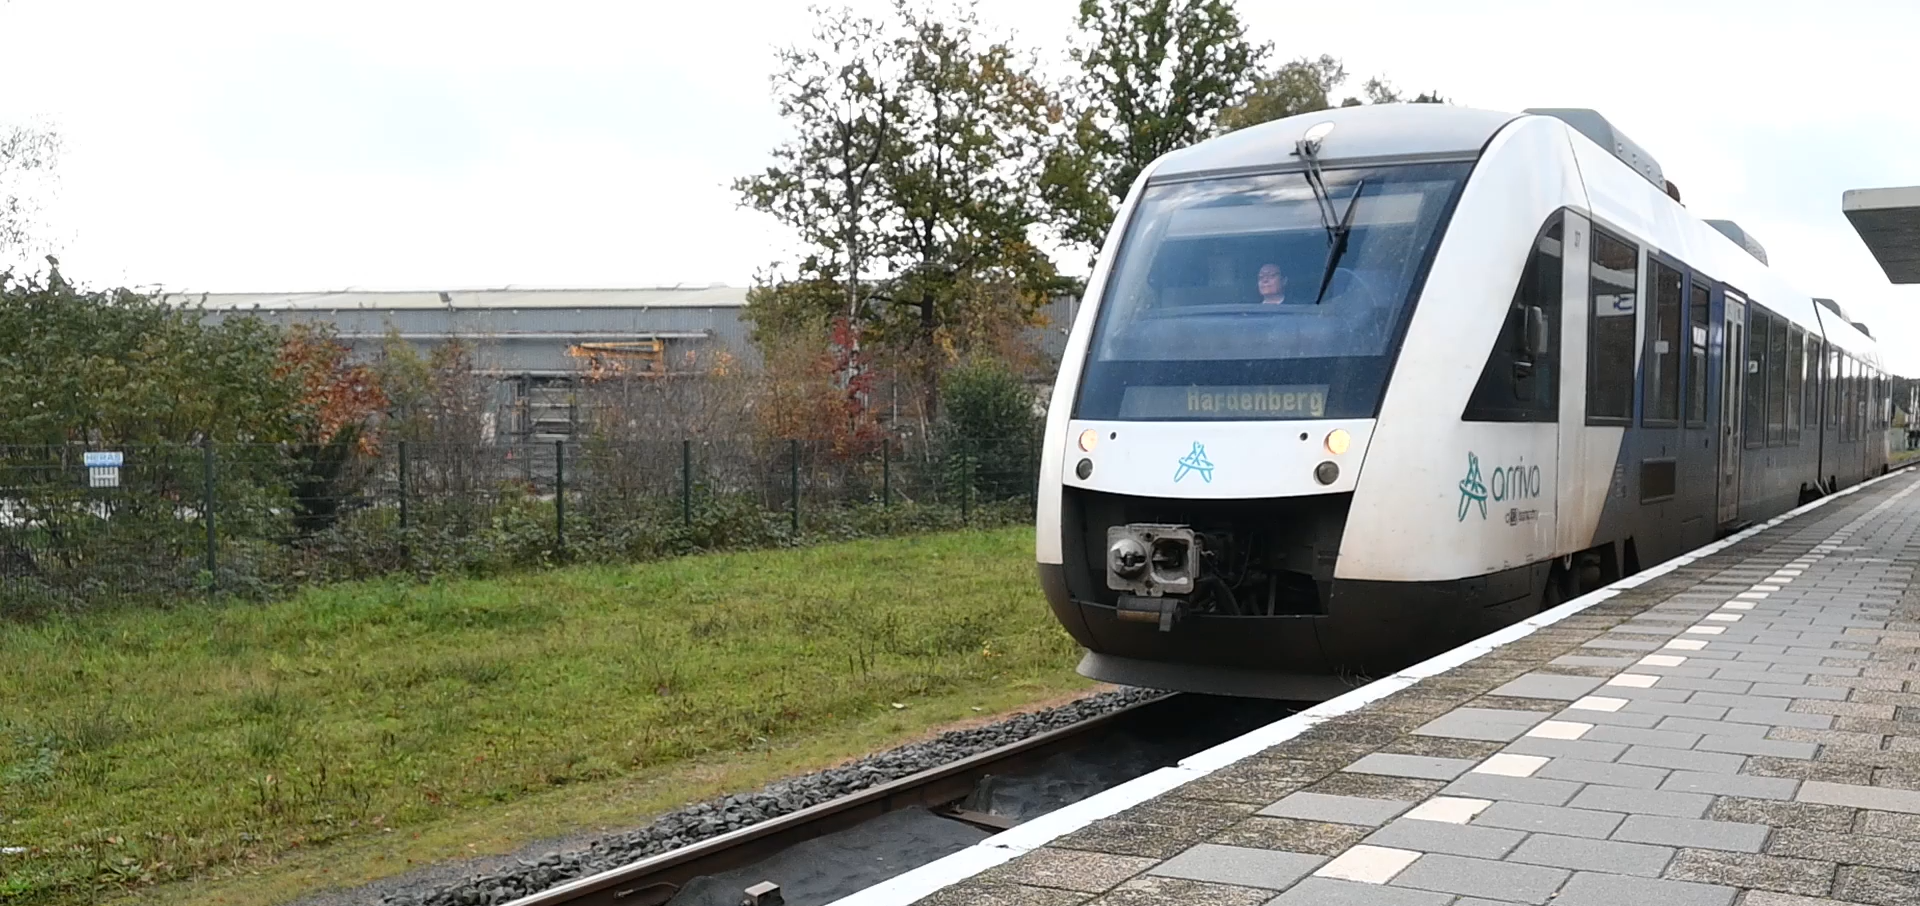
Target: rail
655	880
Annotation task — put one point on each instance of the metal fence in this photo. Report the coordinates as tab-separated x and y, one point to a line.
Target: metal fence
83	527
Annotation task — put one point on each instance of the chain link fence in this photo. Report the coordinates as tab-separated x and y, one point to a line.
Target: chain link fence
143	524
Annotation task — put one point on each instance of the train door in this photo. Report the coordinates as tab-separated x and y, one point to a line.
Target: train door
1583	455
1733	375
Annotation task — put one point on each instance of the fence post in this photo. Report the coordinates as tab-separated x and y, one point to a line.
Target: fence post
793	478
560	499
213	557
966	490
406	514
886	471
686	483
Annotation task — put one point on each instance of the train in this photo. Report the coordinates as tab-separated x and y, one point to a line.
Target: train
1350	388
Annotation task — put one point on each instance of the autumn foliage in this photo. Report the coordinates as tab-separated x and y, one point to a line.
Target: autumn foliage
821	395
334	395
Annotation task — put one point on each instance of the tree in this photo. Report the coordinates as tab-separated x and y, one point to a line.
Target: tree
1304	86
1155	76
913	187
1296	87
839	95
119	367
336	408
27	156
960	200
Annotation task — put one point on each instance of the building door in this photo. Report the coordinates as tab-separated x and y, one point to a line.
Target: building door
1733	383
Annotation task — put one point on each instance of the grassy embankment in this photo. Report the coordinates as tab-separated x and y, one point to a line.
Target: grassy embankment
246	754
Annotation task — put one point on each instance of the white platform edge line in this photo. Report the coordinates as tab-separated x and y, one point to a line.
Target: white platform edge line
1008	845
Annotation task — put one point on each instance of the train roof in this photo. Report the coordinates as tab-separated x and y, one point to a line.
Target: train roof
1374	132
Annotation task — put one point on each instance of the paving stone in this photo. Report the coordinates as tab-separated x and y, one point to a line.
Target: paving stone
1411	766
1454	839
1592	889
1727	835
1524	816
1442	747
1856	796
1152	890
1770	898
1876	886
1331	892
1636	736
1732	785
1804	769
1714	727
1321	838
1255	792
1548	685
1239	866
1068	870
1375	786
1852	849
1506	703
1630	719
982	893
1585	854
1798	691
1889	824
1675	709
1567	748
1513	789
1800	876
1179	811
1481	723
1670	803
1483	878
1129	838
1780	718
1338	809
1683	759
1773	747
1845	709
1756	702
1646	778
1836	738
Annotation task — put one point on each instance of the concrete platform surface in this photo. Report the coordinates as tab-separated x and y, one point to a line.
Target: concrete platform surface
1741	729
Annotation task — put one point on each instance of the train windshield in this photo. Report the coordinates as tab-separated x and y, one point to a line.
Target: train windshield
1236	298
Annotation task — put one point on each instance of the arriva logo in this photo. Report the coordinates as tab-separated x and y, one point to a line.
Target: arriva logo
1197	462
1516	482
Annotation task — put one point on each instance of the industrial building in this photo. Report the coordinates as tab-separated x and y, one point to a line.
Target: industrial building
539	343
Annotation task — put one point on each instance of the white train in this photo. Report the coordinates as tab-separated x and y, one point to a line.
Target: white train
1349	388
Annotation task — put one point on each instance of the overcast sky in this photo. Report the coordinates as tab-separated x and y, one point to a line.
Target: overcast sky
273	147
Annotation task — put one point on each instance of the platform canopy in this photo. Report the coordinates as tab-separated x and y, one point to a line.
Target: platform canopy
1888	221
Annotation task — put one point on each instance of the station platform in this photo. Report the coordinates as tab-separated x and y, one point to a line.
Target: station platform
1736	727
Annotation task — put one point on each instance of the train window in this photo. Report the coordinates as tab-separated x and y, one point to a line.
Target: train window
1776	381
1697	355
1831	421
1810	413
1667	298
1518	384
1614	289
1846	397
1796	382
1230	301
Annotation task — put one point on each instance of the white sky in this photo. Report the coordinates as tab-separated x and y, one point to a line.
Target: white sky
269	147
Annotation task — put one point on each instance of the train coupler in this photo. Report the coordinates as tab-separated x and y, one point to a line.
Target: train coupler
1136	609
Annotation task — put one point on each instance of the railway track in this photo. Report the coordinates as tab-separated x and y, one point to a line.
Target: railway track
655	880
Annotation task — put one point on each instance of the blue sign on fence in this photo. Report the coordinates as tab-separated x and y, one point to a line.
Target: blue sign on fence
102	460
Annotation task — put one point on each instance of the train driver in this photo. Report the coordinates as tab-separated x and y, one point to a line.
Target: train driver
1273	285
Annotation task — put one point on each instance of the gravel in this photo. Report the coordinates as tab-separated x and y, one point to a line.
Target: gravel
528	874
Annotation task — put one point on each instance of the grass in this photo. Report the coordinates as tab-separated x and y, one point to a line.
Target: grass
257	751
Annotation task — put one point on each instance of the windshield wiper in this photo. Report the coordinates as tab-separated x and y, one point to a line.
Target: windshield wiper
1339	246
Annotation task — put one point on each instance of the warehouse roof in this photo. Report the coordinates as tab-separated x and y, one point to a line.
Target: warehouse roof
713	296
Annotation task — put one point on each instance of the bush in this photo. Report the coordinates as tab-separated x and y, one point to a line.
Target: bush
989	431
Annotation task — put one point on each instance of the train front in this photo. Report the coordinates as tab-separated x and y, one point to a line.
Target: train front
1218	395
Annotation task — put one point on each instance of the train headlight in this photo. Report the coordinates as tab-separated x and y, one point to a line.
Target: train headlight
1326	472
1089	439
1338	440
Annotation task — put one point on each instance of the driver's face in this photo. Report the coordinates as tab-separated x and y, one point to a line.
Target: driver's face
1270	280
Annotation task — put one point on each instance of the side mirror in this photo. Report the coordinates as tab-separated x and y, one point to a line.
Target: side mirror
1537	337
